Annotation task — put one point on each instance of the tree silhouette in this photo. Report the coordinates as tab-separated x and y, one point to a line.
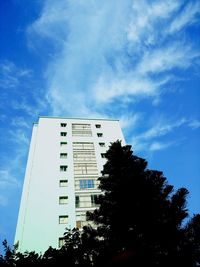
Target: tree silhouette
139	215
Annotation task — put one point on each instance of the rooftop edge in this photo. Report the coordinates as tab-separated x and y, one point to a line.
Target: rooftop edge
71	118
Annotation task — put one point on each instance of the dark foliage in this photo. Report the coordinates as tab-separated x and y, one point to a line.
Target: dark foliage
140	215
139	222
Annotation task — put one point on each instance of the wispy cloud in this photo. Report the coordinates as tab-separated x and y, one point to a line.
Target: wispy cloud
8	183
149	140
7	179
146	18
53	21
175	55
95	66
155	146
3	201
91	70
194	124
10	74
31	108
107	88
129	121
161	129
20	122
187	17
19	136
12	167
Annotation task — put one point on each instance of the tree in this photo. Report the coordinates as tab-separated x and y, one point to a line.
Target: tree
191	242
139	223
139	215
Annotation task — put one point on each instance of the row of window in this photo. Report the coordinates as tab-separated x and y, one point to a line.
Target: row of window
83	183
63	219
81	129
75	126
85	133
65	143
94	200
87	201
83	168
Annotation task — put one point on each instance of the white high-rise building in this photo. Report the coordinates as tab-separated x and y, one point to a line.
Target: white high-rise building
65	159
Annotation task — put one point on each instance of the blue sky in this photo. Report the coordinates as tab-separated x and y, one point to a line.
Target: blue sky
137	61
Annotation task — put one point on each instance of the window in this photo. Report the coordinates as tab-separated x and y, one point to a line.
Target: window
84	156
78	224
63	143
103	155
83	146
94	199
102	144
98	125
61	242
63	183
63	124
86	183
85	168
63	168
63	134
63	200
77	201
81	129
63	155
99	134
63	219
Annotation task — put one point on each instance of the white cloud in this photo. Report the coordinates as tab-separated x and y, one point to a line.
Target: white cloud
53	21
186	17
149	140
98	64
155	146
74	71
20	122
149	145
129	121
12	169
161	128
7	179
3	201
11	75
8	184
145	16
19	136
175	55
30	108
194	124
107	89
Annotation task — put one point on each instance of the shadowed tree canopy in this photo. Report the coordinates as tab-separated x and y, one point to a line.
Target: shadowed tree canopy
139	211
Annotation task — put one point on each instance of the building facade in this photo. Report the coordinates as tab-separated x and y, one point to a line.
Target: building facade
66	157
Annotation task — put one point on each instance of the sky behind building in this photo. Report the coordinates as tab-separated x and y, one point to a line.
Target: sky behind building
137	61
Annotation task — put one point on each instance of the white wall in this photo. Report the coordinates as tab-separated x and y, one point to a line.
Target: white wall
38	226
